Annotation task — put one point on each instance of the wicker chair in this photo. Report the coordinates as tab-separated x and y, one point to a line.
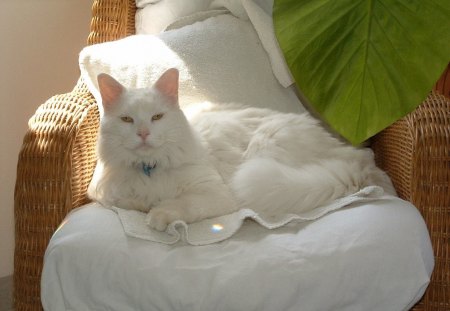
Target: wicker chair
57	159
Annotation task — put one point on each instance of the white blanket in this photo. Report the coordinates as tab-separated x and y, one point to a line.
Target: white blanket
220	228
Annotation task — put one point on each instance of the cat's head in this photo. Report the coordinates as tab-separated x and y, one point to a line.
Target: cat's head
142	125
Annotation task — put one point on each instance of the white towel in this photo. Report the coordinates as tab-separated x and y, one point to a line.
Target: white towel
263	23
221	228
259	12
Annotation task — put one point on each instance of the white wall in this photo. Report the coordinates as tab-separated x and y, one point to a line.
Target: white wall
39	46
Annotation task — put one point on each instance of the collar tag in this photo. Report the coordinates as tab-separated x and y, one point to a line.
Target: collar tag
147	168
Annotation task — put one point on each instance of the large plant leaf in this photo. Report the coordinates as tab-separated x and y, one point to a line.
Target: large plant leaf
363	64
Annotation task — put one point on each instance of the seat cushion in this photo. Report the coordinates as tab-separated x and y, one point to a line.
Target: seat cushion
369	256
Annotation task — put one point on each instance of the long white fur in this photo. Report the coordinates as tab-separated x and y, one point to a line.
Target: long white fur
226	157
283	163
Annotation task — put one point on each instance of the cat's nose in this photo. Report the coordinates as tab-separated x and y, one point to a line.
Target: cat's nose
143	133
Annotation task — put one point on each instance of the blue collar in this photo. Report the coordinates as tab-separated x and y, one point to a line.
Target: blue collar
147	168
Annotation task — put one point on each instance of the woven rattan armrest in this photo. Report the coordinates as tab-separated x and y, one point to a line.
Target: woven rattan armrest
415	152
57	159
55	165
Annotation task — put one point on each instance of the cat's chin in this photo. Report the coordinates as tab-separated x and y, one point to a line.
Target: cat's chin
143	150
144	147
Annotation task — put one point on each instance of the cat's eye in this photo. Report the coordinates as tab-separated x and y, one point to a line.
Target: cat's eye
127	119
157	116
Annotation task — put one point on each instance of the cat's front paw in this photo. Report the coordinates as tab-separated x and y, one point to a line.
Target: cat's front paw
160	218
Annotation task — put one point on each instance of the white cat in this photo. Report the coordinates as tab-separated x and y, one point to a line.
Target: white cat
231	157
152	160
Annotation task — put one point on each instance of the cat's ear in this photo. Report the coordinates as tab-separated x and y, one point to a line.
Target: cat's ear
110	90
167	84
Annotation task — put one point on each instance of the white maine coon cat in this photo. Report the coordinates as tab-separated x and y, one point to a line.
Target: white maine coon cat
228	157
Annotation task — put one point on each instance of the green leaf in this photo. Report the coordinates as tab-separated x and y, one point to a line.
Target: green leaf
363	64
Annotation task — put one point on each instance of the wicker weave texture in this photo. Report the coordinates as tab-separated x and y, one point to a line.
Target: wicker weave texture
415	152
55	165
111	20
57	160
431	192
443	84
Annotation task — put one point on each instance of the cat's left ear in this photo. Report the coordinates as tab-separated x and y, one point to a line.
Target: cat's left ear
167	84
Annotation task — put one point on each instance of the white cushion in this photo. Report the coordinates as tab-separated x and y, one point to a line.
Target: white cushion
372	256
220	60
152	17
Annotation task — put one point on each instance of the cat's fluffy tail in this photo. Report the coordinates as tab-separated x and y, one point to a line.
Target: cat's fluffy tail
270	187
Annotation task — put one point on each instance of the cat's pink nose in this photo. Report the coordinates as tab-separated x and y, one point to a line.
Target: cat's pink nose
143	134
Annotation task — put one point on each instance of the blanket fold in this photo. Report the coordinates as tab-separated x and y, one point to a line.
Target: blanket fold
220	228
